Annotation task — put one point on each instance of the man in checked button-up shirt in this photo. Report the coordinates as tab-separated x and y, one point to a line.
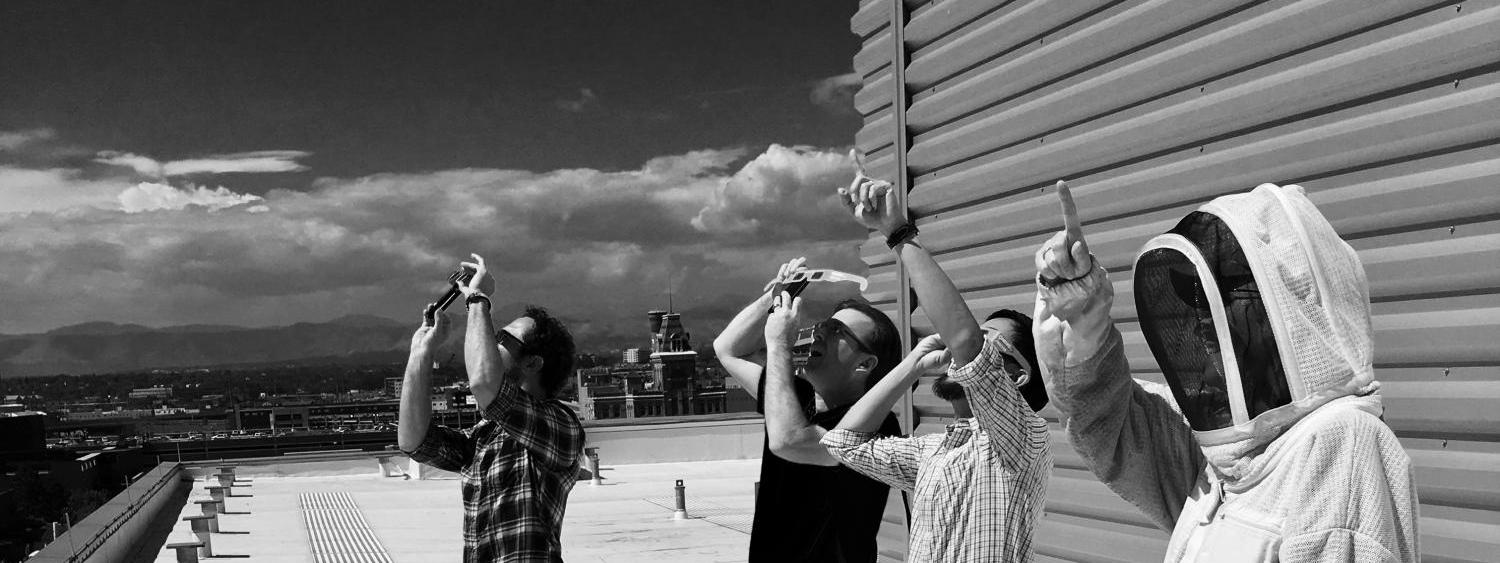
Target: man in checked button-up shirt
979	487
519	463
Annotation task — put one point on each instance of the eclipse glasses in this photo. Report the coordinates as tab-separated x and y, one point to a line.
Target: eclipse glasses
799	279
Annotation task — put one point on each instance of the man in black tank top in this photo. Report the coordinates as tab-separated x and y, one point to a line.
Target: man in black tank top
810	507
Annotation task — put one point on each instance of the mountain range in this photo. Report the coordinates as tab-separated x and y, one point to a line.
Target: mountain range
105	347
109	347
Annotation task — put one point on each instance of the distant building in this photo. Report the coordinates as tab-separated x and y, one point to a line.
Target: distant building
631	356
393	386
666	382
736	397
151	393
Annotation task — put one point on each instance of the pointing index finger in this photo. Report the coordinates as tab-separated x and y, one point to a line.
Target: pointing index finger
1069	211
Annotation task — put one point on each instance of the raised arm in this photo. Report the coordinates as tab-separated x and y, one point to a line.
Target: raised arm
740	346
1131	438
425	442
856	443
928	356
791	435
546	428
873	204
481	357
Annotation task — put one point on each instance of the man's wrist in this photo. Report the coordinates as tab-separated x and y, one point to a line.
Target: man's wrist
900	235
476	299
911	367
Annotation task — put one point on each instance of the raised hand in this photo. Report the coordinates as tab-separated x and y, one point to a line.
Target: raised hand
781	324
1065	257
1074	294
931	355
871	201
432	333
791	267
480	283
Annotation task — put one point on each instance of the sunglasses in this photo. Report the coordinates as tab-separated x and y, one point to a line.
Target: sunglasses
510	342
832	326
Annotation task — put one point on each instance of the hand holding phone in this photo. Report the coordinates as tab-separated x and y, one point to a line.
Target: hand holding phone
459	277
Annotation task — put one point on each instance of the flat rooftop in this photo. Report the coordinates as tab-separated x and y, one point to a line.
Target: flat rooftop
356	517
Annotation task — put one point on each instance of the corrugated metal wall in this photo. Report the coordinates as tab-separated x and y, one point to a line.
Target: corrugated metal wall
1387	112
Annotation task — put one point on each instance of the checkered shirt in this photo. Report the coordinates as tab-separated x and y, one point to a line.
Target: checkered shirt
517	466
979	487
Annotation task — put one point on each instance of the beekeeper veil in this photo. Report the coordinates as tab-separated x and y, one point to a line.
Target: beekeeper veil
1253	305
1202	314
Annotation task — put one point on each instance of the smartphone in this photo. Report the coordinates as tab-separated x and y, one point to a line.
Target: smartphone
794	288
462	276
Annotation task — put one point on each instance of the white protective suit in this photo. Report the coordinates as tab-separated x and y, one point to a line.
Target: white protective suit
1259	315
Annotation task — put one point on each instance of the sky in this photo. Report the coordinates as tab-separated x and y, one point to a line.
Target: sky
264	163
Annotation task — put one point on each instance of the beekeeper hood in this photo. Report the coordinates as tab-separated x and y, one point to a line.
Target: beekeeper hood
1258	313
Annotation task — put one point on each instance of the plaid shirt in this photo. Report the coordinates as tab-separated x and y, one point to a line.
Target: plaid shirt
979	487
518	466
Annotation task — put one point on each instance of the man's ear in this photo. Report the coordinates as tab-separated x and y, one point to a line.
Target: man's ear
532	364
868	364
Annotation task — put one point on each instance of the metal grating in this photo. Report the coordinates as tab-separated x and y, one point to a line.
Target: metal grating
338	531
1387	112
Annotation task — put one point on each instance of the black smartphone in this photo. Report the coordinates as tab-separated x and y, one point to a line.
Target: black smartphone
792	288
462	276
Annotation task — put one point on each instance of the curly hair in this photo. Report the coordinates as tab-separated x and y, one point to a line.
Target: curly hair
552	342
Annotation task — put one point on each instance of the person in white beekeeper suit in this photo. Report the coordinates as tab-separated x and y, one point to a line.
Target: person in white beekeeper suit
1271	445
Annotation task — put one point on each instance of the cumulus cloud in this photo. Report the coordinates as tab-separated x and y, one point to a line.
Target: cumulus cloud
50	190
597	245
786	193
14	140
150	196
836	93
243	162
585	101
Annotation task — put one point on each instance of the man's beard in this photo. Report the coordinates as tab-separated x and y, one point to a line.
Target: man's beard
947	389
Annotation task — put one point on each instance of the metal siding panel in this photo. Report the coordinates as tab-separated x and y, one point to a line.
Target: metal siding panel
1061	55
1178	60
1459	44
1304	156
876	134
1346	101
875	53
876	93
1014	25
942	18
871	15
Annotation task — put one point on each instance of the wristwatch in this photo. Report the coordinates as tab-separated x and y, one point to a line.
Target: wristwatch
475	298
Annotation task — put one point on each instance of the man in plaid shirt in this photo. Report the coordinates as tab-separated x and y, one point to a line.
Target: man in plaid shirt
519	463
980	486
